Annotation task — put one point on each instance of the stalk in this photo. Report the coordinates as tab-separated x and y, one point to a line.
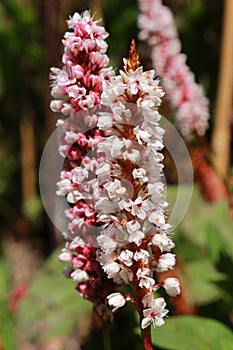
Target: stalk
106	338
146	338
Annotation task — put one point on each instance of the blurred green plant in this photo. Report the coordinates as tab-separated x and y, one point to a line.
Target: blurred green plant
52	307
21	67
7	324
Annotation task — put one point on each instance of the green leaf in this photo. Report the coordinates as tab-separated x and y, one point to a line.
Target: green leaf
200	276
209	227
192	333
53	306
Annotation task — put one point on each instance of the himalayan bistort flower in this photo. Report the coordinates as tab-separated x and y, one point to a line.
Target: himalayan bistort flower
117	232
184	94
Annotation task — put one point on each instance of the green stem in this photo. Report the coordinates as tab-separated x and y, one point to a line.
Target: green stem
106	338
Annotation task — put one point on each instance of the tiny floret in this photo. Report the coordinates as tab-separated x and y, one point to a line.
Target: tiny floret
116	300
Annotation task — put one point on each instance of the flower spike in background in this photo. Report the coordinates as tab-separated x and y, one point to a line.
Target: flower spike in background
186	97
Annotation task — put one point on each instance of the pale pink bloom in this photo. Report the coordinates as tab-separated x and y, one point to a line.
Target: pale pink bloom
142	255
104	205
140	207
165	262
125	257
76	242
115	189
65	255
148	300
172	286
156	190
105	121
157	217
64	187
80	276
116	300
103	171
144	279
155	314
132	154
135	234
111	147
106	243
111	269
56	106
79	175
140	173
162	241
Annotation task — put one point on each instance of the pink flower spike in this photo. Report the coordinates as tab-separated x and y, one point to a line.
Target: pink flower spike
186	97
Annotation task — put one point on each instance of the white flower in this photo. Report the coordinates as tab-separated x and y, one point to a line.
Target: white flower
114	189
79	175
80	276
116	300
107	244
148	300
162	241
125	257
139	207
111	269
156	192
142	255
140	174
106	206
111	146
65	256
150	115
166	262
135	234
157	217
112	90
144	279
142	135
133	155
104	259
154	314
74	196
64	187
103	172
70	137
56	106
105	121
172	286
76	242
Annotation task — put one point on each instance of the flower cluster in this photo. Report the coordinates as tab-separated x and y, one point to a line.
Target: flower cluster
135	240
78	84
186	97
117	231
77	88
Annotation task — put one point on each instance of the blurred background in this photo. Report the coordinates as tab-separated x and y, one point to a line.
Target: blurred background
39	308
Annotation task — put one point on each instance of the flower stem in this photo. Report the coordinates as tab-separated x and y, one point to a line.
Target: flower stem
106	338
146	338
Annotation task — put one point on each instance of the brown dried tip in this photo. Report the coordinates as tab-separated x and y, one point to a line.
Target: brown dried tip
133	62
